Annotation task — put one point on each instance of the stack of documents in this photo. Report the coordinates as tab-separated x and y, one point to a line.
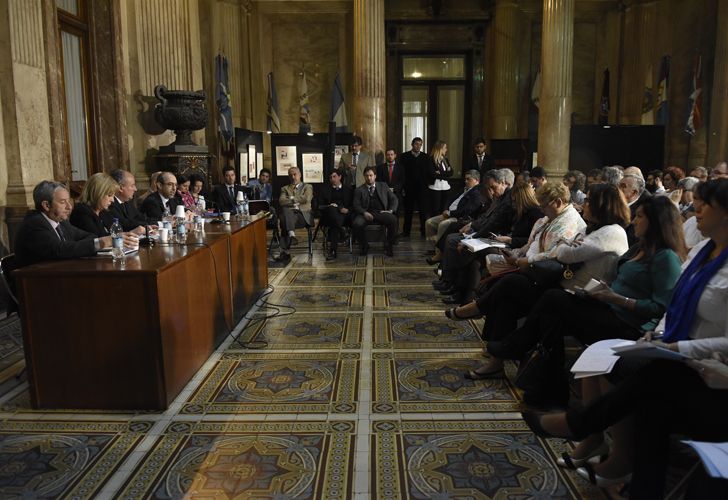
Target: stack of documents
478	244
600	357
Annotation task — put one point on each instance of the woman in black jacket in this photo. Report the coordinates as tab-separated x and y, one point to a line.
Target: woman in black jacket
97	195
437	176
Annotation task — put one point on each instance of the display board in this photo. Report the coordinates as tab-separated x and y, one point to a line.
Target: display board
248	145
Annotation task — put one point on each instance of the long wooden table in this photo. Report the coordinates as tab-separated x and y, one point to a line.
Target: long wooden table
101	336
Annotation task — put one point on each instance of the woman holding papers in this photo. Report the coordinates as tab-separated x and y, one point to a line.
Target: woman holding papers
665	397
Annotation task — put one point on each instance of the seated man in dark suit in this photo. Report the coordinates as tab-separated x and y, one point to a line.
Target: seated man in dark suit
225	195
45	233
155	204
374	203
123	207
392	172
334	204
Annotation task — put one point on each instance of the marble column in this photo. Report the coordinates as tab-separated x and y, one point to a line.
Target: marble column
554	121
718	133
369	74
504	99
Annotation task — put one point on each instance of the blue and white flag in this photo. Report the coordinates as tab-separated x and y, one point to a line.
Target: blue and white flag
695	101
338	110
222	99
304	117
662	114
274	122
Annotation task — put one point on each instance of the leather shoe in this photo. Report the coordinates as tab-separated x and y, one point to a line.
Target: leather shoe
452	299
588	473
293	241
364	250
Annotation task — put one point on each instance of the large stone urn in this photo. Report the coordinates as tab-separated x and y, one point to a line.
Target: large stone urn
184	112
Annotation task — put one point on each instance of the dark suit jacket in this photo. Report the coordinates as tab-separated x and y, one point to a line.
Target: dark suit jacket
127	213
472	164
381	190
222	197
434	172
37	241
498	219
469	204
83	217
398	176
154	210
521	229
415	171
327	194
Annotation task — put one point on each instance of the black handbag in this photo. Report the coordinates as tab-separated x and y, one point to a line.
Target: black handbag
548	273
533	371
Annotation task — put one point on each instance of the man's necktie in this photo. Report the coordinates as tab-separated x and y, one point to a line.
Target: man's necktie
232	193
354	158
391	170
371	190
480	161
60	232
124	211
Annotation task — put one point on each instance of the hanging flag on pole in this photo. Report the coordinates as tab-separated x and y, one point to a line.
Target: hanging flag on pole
304	117
648	100
274	122
695	101
338	110
536	90
604	102
222	99
662	88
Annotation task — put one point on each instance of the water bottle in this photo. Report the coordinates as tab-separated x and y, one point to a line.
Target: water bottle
181	231
117	241
245	206
198	225
201	205
166	215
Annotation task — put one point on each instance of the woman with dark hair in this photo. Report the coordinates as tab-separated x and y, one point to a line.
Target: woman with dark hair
664	397
633	304
183	192
606	214
671	177
197	186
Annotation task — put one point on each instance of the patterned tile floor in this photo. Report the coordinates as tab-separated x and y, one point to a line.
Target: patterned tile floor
357	394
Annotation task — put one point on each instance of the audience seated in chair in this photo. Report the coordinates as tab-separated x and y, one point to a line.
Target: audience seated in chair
295	207
97	196
644	402
335	201
374	203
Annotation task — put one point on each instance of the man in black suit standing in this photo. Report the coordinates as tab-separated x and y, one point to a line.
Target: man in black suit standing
45	233
416	164
374	203
155	204
392	172
334	205
123	208
225	194
480	160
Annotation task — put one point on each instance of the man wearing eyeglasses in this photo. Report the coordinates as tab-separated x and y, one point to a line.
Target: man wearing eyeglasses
720	171
155	204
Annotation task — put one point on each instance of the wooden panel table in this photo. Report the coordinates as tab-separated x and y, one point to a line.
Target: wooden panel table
100	336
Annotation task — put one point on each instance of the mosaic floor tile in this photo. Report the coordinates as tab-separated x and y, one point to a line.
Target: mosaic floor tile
433	330
328	277
467	459
408	298
278	383
248	460
429	382
43	459
332	299
307	331
402	259
403	276
11	347
318	260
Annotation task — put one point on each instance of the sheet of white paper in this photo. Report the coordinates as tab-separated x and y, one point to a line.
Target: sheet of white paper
313	167
252	158
285	159
597	359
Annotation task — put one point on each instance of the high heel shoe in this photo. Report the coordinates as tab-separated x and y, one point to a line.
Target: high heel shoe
587	472
569	462
452	314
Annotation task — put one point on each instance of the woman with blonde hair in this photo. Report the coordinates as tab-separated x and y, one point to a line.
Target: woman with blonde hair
437	176
97	195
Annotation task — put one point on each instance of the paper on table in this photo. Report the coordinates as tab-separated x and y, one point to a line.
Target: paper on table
714	457
597	359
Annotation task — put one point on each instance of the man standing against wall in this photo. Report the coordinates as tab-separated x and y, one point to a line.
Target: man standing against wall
415	163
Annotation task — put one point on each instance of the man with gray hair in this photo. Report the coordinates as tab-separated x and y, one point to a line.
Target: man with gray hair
123	207
686	186
465	205
633	189
45	233
611	175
